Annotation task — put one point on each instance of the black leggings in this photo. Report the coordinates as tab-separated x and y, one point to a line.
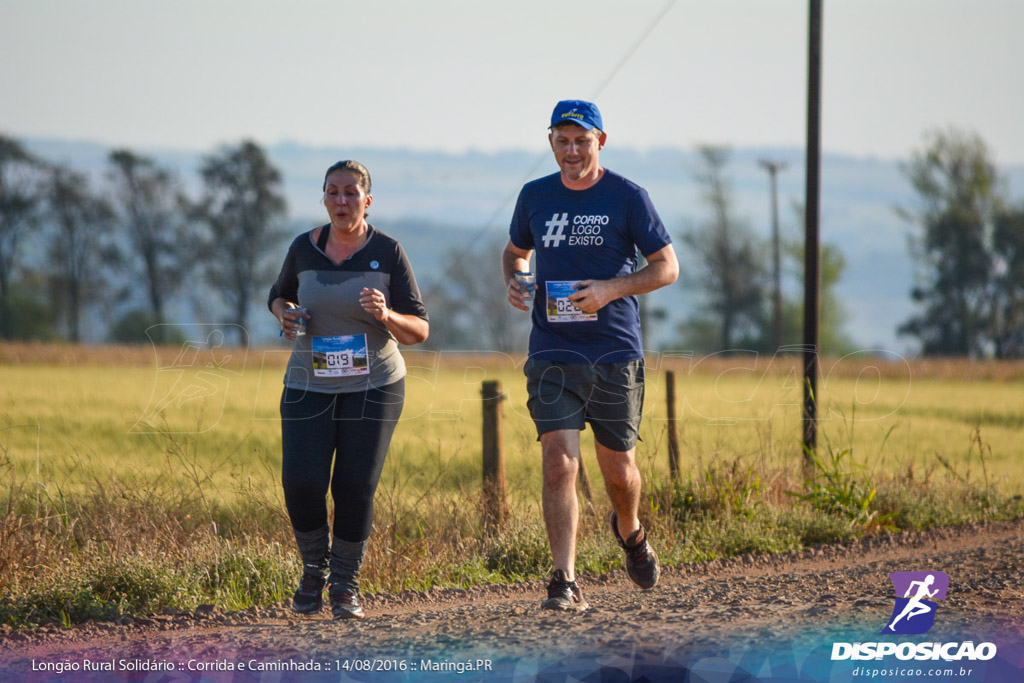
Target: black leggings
359	427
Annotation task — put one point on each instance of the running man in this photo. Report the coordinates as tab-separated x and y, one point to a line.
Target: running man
914	606
586	225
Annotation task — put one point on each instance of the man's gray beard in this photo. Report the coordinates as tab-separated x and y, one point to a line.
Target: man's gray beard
575	175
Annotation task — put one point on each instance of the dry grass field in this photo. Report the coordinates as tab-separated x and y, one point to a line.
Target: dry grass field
75	415
137	479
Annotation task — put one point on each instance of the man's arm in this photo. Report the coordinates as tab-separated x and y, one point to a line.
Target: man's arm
515	260
662	269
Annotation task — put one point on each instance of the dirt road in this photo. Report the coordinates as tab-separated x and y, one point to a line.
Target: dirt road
774	617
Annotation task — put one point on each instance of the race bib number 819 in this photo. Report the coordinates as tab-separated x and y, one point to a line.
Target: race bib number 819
339	359
340	356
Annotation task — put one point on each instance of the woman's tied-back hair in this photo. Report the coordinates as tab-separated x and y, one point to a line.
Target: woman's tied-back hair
353	167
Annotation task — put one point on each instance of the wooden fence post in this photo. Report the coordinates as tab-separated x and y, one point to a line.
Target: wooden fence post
673	436
495	487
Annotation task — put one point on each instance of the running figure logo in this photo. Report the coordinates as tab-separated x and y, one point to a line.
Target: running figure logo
914	613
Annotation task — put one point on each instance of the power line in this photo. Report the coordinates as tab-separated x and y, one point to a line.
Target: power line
489	223
633	48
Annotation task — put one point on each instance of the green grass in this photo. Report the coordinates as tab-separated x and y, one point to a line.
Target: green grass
136	485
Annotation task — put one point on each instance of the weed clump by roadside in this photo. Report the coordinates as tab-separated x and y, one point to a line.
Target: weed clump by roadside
732	507
100	586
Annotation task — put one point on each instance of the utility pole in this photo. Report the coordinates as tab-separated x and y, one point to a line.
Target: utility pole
773	168
811	219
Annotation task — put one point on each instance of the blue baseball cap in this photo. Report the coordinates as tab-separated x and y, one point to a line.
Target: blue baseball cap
580	112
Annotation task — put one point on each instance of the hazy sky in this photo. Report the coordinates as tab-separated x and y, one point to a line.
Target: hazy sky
482	74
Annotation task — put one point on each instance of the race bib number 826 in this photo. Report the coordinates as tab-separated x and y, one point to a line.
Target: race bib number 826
559	308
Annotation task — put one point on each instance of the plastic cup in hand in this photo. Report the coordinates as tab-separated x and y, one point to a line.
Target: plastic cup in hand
527	284
300	319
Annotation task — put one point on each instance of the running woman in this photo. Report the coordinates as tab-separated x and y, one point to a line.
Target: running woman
346	297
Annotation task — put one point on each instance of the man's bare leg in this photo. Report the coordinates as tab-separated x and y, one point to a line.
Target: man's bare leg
622	482
561	455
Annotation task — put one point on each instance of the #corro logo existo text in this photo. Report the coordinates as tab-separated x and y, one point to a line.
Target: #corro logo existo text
914	613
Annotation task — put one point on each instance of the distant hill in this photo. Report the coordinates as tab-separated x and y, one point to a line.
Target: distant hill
434	202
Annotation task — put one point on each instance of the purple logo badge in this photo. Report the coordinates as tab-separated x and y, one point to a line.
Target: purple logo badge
915	608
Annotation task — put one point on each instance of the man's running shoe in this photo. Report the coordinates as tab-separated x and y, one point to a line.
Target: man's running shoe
641	561
308	599
563	595
345	604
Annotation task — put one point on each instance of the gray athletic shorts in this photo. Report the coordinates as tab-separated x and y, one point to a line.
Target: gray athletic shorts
610	396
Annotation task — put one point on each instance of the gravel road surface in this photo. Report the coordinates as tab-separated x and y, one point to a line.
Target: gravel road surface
774	617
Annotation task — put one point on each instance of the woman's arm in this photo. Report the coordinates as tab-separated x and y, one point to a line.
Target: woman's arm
407	329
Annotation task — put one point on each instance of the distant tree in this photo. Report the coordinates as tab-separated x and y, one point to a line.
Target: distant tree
135	326
242	208
145	201
832	314
33	312
957	184
469	300
21	199
729	271
652	317
81	247
1008	306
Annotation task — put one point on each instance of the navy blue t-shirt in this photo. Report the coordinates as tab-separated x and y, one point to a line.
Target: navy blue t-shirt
590	234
